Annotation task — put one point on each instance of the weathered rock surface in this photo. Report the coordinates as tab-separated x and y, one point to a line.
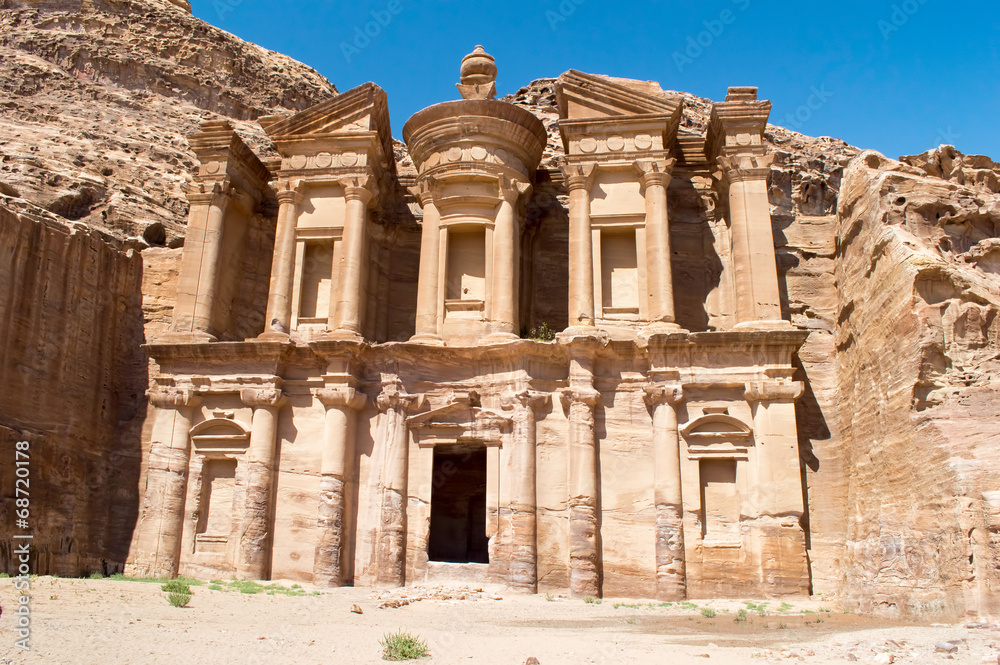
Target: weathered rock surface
99	97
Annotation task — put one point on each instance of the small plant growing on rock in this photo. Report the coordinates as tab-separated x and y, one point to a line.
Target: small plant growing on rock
542	333
402	646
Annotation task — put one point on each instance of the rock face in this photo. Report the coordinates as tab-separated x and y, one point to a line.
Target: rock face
890	270
99	97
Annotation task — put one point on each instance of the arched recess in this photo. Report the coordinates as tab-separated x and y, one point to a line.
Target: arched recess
218	450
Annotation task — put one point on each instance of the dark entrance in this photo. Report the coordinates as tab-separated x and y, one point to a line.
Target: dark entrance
458	505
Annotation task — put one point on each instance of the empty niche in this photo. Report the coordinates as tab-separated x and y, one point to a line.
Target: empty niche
719	500
216	514
619	272
466	265
317	271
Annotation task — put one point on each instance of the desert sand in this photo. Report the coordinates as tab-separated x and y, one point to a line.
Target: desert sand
105	621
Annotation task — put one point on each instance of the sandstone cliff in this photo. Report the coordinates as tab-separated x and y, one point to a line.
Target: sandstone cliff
96	98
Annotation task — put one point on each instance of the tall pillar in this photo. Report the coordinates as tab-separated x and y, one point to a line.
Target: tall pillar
580	399
671	580
253	557
158	546
655	178
353	267
342	405
198	282
524	555
735	143
428	293
506	262
579	178
278	320
389	542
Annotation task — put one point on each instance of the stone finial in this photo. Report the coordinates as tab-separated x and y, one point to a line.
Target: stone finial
478	75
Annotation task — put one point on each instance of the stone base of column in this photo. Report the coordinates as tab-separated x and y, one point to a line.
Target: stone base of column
779	324
428	339
194	337
499	338
344	335
273	336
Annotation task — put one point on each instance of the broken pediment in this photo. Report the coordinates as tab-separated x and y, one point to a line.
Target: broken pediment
362	109
458	422
580	96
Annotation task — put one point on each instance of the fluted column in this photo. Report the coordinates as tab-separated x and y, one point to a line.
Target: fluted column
389	542
506	258
342	405
579	179
158	547
655	178
671	579
278	320
428	293
353	268
580	398
524	555
253	557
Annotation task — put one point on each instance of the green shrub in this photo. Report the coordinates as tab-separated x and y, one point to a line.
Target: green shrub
549	597
402	646
741	616
179	599
590	600
542	333
708	612
96	576
177	587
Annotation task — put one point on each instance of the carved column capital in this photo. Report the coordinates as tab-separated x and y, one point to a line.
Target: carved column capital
655	172
664	393
393	397
172	398
511	189
580	395
358	188
287	191
217	193
262	397
425	190
341	396
530	399
744	167
578	176
773	391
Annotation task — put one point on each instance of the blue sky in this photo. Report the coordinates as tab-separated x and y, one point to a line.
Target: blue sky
899	76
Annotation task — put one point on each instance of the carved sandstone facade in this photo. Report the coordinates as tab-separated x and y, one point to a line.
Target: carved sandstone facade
368	412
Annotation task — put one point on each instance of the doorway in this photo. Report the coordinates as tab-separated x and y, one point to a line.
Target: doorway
458	505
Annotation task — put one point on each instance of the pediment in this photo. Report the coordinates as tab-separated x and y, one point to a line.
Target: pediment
580	95
361	109
458	422
717	435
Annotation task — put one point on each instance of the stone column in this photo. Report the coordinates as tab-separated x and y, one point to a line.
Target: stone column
580	398
278	320
655	178
757	295
197	284
579	178
428	293
664	399
158	546
389	543
353	267
253	556
342	405
524	555
506	258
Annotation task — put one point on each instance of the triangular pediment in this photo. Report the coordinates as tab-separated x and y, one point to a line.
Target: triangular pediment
361	109
581	95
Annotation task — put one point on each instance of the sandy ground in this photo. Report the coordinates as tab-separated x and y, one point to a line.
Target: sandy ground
105	621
